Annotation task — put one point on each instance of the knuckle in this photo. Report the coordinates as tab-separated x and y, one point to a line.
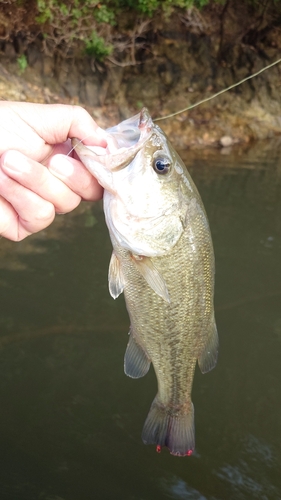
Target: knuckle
21	235
86	184
45	212
79	111
68	205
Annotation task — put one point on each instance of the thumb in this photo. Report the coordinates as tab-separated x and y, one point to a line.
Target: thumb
55	123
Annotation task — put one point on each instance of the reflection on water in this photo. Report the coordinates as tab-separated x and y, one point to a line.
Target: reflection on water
178	489
70	421
249	477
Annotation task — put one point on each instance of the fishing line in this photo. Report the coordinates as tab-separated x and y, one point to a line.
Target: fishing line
218	93
73	149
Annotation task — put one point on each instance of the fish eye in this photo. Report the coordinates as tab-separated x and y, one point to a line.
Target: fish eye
161	165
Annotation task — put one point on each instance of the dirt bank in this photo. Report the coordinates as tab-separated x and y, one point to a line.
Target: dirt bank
180	62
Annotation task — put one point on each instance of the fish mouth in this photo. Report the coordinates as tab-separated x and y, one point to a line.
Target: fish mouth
145	120
131	134
128	133
136	135
125	140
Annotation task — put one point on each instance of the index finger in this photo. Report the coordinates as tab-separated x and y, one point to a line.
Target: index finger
55	123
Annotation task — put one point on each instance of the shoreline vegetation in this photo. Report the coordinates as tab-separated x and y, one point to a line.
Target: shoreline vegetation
115	56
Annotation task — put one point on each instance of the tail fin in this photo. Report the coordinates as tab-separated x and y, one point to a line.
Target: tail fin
166	426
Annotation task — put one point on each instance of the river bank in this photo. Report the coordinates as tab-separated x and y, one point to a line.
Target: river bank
185	61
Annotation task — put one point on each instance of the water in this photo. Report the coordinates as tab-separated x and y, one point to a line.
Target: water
70	420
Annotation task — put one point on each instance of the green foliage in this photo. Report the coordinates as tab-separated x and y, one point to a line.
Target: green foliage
45	11
101	27
149	7
103	14
22	62
96	46
74	10
85	22
70	21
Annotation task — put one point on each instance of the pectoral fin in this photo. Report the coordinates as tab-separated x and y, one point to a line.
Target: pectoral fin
115	277
136	362
208	358
152	276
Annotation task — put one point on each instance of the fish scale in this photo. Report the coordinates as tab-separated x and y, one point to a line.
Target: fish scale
163	262
172	336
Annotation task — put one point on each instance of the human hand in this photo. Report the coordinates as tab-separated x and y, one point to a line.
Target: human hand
37	177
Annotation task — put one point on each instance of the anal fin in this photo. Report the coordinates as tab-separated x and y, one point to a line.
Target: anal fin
208	358
152	276
115	277
136	361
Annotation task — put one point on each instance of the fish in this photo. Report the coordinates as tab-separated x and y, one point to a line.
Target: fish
163	262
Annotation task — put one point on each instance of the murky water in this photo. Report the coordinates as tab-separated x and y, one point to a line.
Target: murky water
70	420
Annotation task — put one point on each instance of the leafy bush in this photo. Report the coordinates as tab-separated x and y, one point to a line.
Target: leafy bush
66	23
95	46
89	22
22	63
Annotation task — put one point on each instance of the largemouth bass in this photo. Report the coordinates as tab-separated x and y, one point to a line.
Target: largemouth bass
163	261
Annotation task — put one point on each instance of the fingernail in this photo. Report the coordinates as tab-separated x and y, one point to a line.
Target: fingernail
14	161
